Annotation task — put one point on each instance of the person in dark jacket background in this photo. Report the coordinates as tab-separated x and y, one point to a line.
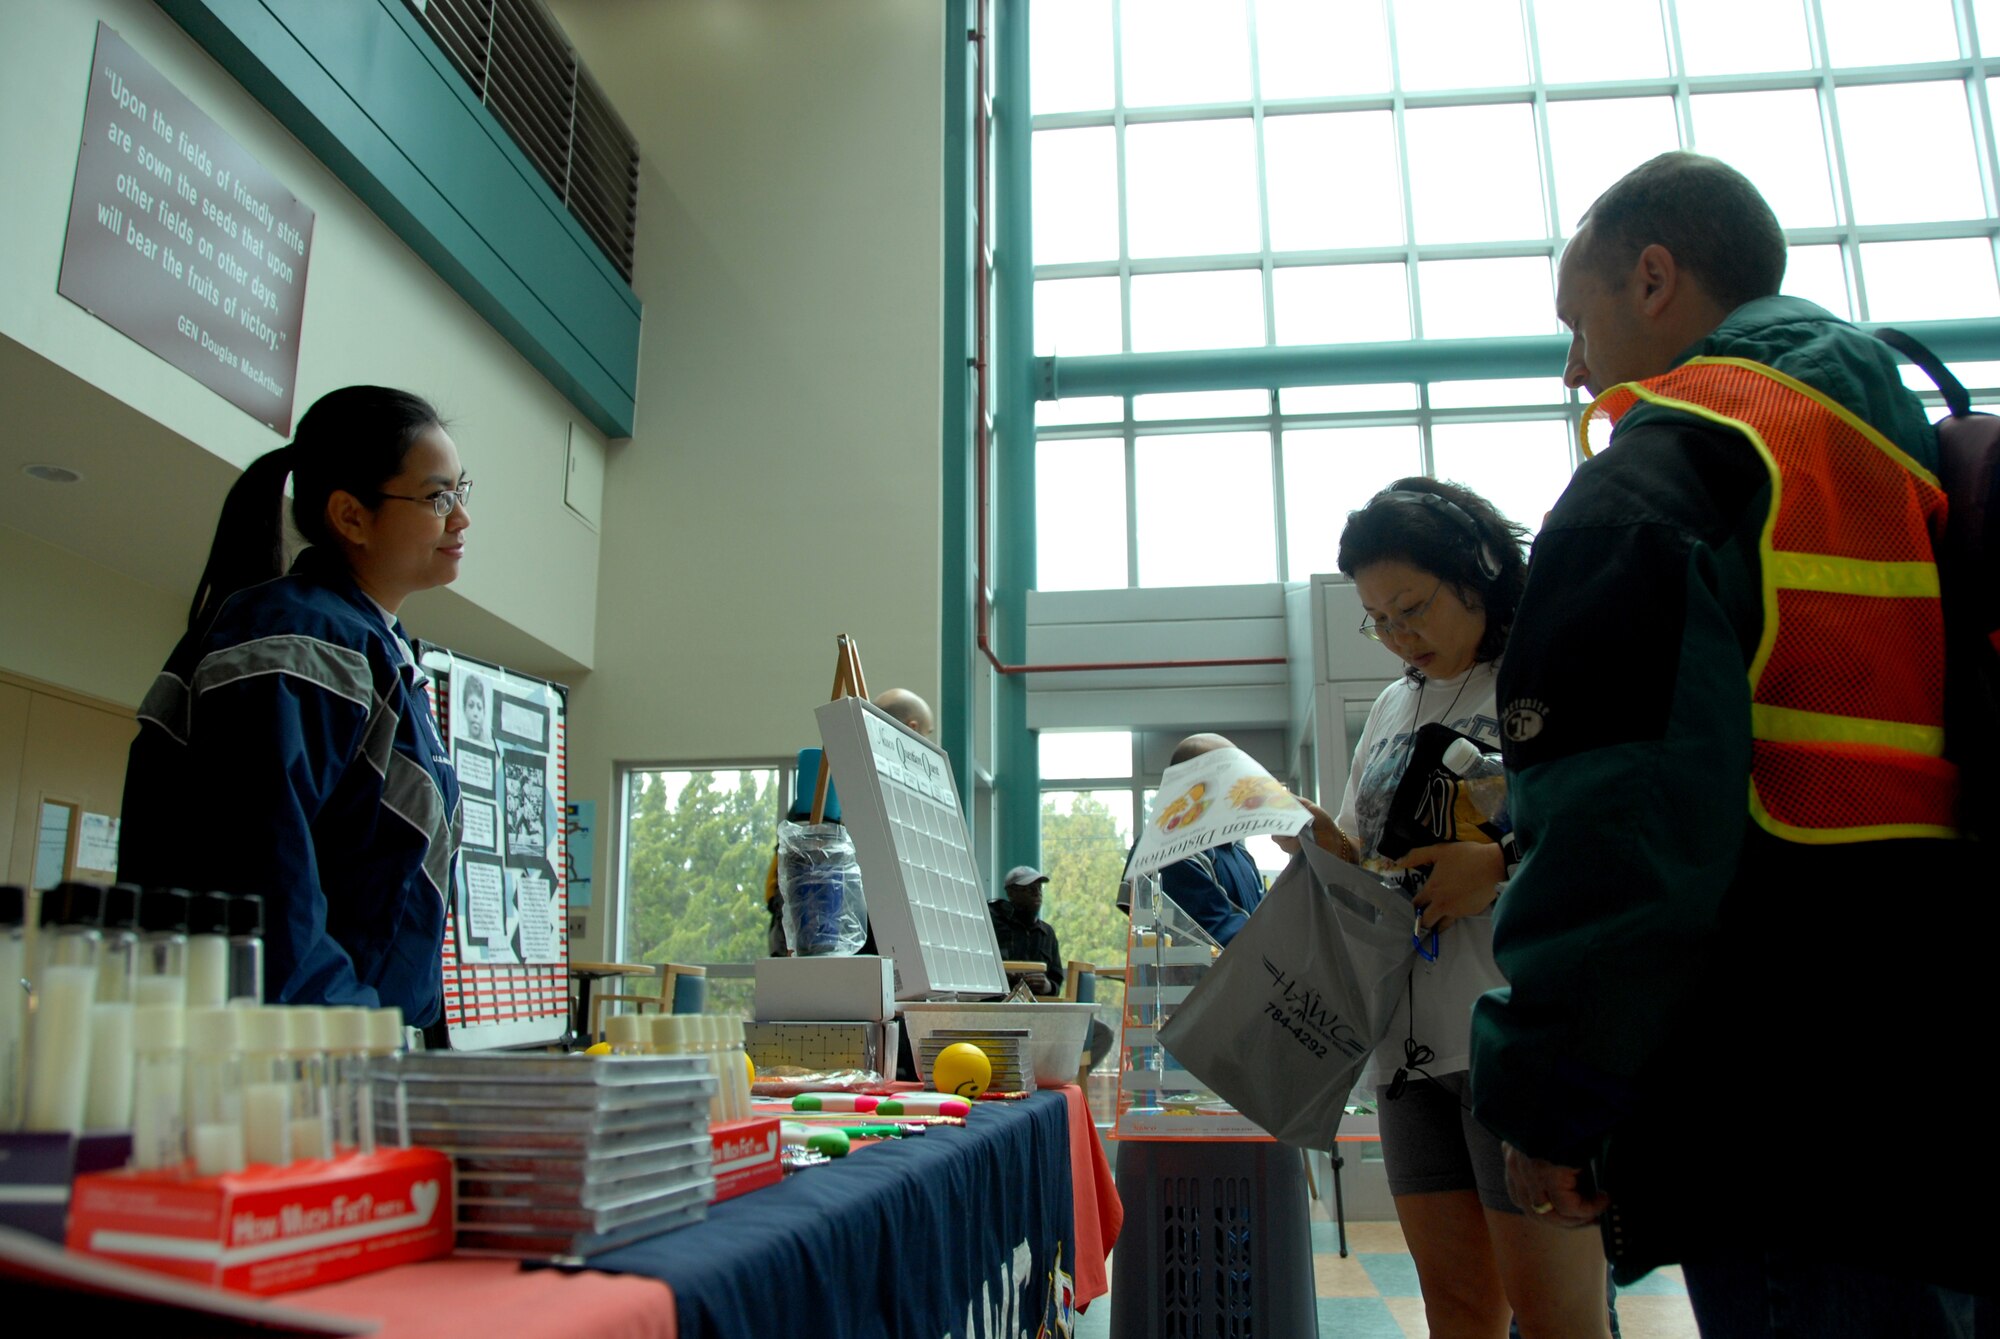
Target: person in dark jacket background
1023	935
288	747
1221	886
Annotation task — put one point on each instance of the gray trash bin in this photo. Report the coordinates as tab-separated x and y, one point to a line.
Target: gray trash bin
1216	1242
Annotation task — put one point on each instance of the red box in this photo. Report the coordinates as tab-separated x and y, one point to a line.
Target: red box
745	1156
270	1229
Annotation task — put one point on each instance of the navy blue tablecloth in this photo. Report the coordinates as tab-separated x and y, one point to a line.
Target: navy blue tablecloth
960	1233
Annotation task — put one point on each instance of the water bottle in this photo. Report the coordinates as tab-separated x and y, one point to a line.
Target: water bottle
1482	786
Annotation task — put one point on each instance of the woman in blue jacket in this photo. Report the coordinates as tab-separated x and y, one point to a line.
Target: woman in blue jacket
288	747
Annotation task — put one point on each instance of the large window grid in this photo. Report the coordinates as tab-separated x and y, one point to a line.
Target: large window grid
1076	556
1250	292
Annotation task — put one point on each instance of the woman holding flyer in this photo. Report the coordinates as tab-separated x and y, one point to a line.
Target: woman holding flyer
288	747
1440	574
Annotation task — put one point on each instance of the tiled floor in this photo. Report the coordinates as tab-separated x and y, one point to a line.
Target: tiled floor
1373	1294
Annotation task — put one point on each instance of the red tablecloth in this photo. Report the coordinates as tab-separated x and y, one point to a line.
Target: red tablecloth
1099	1212
489	1299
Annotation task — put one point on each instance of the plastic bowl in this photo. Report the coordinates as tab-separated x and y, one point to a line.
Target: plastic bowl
1055	1031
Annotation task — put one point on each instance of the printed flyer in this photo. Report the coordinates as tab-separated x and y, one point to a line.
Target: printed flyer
1211	800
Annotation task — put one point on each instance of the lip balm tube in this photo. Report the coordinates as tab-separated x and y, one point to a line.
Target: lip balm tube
215	1090
107	1102
305	1054
267	1086
65	988
385	1043
629	1034
13	1000
208	951
159	1086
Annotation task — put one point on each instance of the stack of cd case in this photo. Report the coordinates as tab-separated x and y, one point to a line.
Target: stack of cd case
1005	1050
558	1156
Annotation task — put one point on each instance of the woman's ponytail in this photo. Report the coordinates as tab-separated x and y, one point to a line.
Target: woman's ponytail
249	543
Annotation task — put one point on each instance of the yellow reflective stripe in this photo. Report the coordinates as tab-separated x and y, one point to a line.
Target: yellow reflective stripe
1834	407
1865	832
1786	725
1769	592
1793	570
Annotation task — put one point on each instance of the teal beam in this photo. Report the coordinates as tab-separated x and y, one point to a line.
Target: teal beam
1310	365
1402	360
958	570
366	90
1016	766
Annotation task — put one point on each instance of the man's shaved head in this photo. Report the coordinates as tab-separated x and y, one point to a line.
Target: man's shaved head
1196	745
908	708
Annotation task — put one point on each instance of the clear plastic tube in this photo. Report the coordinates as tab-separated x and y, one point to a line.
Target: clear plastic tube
215	1090
162	977
13	1001
709	1029
347	1056
385	1042
312	1112
246	948
208	951
736	1070
159	1087
267	1086
669	1034
65	989
629	1034
107	1103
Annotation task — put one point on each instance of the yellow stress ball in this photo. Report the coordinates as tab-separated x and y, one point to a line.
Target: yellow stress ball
962	1070
601	1048
750	1068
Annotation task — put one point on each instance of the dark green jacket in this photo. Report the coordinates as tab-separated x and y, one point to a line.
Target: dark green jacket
1718	1023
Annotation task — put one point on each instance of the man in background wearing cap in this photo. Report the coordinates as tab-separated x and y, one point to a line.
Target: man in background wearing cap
1023	935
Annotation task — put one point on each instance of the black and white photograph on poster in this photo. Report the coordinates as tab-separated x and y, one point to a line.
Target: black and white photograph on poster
478	768
481	818
529	812
472	708
538	919
482	916
516	720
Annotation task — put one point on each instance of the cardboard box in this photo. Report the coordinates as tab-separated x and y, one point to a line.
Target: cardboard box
823	1046
837	990
745	1157
270	1229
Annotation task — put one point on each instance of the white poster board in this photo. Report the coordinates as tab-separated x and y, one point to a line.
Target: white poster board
506	959
925	900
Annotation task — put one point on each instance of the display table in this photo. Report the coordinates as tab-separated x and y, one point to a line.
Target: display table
905	1239
1006	1219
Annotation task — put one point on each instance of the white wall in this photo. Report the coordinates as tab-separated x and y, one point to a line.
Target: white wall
782	483
373	312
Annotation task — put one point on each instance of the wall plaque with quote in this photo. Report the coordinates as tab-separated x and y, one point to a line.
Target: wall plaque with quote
181	240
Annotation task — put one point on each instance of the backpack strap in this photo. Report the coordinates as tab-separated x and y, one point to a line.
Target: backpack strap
1955	399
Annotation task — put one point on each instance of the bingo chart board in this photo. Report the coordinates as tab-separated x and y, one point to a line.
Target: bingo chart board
925	901
506	934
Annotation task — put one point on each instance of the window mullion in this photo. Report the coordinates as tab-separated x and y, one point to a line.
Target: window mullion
1270	295
1829	119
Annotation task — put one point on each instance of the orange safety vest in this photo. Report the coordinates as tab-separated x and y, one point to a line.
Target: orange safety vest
1847	686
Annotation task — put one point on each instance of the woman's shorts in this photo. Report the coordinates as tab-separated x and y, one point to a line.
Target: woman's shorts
1431	1143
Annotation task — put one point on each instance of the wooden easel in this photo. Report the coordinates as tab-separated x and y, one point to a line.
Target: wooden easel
848	681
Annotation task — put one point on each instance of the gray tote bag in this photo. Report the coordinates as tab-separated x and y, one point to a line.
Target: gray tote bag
1283	1023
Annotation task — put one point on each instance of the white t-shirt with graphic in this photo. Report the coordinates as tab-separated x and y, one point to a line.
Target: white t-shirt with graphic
1464	970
